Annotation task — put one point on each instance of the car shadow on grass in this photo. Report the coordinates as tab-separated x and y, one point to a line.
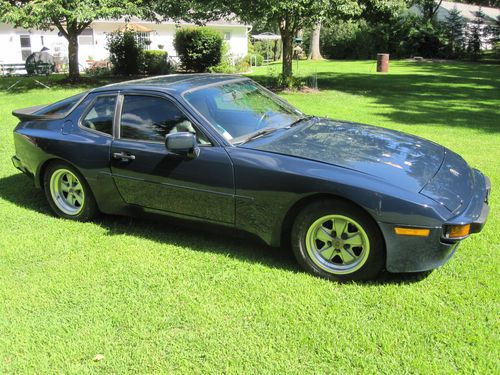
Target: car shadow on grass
19	190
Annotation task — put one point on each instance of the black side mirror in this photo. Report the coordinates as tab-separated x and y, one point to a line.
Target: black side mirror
183	144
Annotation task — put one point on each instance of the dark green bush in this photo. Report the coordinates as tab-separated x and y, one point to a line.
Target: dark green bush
199	48
403	36
125	53
155	62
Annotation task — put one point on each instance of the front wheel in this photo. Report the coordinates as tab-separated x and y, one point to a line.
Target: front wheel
338	241
68	193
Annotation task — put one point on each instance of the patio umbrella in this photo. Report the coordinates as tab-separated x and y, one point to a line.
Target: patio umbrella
135	28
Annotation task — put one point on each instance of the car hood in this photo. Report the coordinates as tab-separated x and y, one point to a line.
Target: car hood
402	159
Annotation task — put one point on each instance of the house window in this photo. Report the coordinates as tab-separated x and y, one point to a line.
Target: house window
86	37
25	46
144	39
227	35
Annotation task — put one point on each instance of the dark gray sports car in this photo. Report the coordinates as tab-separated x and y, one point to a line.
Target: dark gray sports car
351	199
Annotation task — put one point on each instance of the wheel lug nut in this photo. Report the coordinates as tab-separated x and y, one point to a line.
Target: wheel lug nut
344	236
346	246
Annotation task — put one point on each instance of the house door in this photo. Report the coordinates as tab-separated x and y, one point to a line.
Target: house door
25	41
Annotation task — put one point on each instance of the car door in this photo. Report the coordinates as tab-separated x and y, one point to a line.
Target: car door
148	175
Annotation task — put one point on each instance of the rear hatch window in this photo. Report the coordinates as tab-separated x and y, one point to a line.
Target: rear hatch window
59	108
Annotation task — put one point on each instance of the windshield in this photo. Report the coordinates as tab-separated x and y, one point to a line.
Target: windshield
239	109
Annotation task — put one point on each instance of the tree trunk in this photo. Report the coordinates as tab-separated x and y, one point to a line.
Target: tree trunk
287	39
314	49
74	71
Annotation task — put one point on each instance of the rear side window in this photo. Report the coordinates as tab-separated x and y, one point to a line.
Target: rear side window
100	115
61	107
149	118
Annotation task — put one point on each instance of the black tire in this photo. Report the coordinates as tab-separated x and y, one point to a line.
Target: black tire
370	262
87	210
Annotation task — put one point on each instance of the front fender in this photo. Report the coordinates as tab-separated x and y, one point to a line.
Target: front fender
269	186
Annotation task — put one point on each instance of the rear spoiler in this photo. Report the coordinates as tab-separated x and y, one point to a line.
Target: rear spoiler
28	113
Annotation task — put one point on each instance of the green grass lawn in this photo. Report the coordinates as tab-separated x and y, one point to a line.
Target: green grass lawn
155	297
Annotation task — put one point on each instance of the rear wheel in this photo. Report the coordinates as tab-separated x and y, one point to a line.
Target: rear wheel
68	193
338	241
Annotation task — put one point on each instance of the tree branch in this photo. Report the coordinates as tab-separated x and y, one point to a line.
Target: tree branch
436	8
83	26
60	27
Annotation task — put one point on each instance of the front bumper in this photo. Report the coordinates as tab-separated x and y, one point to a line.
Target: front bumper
416	254
478	209
18	164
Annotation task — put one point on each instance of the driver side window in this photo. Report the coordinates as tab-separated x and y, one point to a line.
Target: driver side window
150	118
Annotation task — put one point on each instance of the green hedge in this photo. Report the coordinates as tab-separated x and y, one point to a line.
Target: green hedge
199	48
155	62
125	53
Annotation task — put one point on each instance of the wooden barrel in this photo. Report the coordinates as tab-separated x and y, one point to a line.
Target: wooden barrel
382	62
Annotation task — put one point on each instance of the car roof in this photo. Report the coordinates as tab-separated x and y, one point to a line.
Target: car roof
174	83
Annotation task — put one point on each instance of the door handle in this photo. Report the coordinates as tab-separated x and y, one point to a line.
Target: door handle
123	156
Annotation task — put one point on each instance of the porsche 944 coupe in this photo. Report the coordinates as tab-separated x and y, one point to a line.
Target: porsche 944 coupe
350	199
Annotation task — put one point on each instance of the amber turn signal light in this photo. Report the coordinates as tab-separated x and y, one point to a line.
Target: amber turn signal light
418	232
458	231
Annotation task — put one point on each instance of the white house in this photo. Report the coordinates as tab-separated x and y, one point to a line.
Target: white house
467	11
17	43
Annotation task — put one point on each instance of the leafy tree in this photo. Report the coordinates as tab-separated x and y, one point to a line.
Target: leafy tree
494	30
290	16
70	17
371	11
196	11
454	30
428	8
314	47
477	34
425	40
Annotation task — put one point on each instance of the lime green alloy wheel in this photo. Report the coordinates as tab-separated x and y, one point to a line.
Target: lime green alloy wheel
67	191
337	240
337	244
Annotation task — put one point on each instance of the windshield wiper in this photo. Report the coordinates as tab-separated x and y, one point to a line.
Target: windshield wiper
258	134
298	121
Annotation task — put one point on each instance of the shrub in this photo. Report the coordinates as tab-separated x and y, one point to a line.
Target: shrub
476	34
254	59
226	64
199	48
155	62
426	41
403	36
125	53
99	68
242	66
454	32
270	49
